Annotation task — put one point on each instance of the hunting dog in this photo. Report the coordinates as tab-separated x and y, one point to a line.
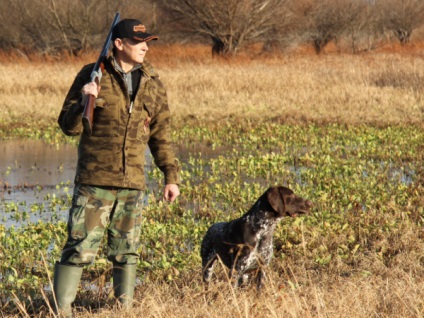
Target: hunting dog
245	245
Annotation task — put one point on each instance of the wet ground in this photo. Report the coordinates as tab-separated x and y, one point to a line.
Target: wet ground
36	179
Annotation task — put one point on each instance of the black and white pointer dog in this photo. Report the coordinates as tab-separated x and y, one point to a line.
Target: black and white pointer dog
245	245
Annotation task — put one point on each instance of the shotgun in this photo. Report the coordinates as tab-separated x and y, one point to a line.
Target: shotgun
96	76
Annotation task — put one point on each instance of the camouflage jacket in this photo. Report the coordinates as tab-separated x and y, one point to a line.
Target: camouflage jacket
114	155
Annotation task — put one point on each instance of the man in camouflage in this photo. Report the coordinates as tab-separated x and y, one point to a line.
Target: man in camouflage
131	113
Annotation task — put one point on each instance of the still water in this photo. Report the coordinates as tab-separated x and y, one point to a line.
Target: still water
31	173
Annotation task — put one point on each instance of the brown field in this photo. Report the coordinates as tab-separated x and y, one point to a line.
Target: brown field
379	88
383	87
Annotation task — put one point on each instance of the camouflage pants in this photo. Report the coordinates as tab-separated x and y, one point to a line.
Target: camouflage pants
95	209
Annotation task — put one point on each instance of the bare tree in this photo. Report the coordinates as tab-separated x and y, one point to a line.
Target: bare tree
75	25
230	24
50	26
11	35
322	21
56	25
357	22
401	17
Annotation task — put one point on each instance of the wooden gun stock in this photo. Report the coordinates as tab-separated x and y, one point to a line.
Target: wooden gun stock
87	116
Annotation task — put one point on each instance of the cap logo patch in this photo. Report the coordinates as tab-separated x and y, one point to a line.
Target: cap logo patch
139	28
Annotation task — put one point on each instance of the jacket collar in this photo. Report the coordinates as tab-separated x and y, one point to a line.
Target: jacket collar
146	67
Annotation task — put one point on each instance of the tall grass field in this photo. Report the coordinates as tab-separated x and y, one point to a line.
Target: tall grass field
344	131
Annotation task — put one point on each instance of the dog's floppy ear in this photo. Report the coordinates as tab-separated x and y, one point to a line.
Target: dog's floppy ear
276	197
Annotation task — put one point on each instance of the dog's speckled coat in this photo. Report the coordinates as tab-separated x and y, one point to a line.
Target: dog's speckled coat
246	244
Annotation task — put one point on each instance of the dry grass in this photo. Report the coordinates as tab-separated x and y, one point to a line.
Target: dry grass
294	289
346	297
376	88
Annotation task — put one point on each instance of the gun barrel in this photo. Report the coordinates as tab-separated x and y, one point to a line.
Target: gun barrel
96	74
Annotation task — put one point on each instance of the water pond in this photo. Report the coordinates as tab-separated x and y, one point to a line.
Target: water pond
36	180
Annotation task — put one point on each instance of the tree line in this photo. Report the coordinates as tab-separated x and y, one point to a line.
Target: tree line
52	26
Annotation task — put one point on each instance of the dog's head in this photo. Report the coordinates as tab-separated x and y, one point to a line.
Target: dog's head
286	203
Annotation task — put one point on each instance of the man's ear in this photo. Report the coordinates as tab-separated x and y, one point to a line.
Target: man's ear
275	199
118	44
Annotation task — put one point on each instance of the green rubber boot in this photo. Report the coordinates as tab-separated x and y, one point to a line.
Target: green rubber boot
124	283
65	284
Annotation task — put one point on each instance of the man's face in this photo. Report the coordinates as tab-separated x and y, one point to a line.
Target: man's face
130	51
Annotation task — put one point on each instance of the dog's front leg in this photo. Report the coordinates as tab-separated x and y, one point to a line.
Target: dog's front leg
259	276
241	280
208	269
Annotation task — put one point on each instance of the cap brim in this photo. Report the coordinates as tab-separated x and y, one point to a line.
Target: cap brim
145	38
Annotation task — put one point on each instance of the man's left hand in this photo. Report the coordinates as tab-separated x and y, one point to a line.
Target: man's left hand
171	192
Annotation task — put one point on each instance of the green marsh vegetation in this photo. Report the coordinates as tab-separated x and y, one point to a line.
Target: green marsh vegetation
343	131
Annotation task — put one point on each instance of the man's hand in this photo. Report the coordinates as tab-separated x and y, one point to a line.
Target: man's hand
171	192
90	88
